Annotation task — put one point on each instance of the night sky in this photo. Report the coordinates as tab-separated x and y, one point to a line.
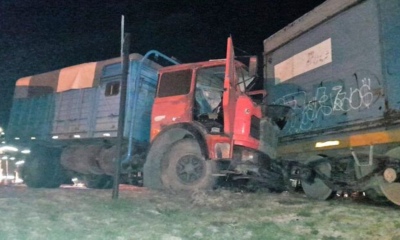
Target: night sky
41	36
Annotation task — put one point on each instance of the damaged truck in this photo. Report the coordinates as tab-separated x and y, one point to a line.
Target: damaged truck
186	125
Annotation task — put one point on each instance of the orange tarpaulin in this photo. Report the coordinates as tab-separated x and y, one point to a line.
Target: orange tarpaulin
25	81
80	76
76	77
36	85
21	90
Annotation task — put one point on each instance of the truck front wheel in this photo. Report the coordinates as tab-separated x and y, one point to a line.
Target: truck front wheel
185	168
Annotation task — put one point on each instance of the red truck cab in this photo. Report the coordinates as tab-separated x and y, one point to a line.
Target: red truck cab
206	104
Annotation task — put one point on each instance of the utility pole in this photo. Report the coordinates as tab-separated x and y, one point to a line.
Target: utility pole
125	44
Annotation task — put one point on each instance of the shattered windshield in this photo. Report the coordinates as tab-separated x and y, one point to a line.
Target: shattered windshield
209	88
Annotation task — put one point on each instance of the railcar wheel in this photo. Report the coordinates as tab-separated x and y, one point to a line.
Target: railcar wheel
390	186
391	192
316	188
185	168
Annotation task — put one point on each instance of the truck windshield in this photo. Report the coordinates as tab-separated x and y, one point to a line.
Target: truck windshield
209	88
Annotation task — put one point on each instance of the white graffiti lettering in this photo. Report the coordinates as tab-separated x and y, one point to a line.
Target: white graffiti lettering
326	101
355	98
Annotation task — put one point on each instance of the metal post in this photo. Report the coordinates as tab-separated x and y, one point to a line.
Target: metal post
6	180
121	120
1	171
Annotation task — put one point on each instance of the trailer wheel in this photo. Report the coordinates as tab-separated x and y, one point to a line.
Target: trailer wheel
43	168
185	168
315	188
98	181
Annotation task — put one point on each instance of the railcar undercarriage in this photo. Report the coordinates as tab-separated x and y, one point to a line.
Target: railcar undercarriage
322	176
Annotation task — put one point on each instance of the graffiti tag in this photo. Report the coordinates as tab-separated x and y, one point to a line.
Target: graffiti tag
310	111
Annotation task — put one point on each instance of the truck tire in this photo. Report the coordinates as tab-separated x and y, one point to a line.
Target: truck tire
43	169
185	168
98	181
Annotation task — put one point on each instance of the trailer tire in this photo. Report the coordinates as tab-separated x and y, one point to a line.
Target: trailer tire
43	169
185	168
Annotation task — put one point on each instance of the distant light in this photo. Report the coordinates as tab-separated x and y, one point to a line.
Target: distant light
12	158
77	136
18	180
4	158
26	151
8	149
19	162
17	138
54	137
327	144
33	138
8	177
3	142
106	134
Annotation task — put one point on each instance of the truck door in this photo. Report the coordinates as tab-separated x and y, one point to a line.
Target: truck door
230	84
174	99
241	115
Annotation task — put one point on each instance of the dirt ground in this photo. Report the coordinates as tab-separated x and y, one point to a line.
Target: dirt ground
138	213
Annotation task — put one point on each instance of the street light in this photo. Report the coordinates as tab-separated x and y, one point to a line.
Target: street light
3	150
26	151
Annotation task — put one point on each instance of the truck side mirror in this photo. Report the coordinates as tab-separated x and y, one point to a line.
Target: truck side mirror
253	66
